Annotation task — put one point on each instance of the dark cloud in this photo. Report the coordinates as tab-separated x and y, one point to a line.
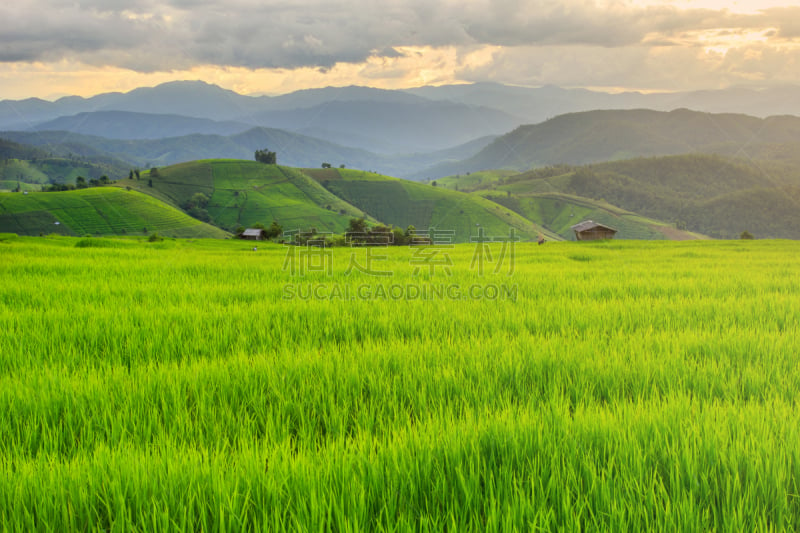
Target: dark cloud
145	35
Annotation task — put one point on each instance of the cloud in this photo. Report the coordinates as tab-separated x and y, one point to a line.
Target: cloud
153	36
639	67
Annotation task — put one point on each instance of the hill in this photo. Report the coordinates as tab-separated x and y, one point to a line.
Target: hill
243	193
713	195
596	136
13	150
556	211
97	211
403	203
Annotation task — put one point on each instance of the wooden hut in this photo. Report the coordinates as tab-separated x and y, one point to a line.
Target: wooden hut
592	231
253	234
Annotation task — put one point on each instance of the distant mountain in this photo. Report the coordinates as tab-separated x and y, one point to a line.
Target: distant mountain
307	98
292	149
188	98
131	125
542	103
595	136
392	127
421	119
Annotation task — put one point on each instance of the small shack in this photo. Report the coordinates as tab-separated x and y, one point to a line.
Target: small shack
592	231
253	234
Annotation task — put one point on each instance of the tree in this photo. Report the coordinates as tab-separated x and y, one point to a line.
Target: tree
196	207
399	237
149	183
342	166
154	172
266	157
357	225
326	165
274	230
198	199
130	175
80	182
746	235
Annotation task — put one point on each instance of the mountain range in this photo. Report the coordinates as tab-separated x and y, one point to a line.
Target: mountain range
387	122
610	135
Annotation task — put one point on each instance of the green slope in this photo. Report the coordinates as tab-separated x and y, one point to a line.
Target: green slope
402	203
97	211
559	212
713	195
243	193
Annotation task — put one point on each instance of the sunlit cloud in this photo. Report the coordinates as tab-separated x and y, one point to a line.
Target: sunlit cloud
50	48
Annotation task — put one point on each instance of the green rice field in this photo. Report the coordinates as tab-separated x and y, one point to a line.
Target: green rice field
200	385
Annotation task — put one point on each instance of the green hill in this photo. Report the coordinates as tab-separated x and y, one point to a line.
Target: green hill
403	203
97	211
243	193
559	212
708	194
35	165
14	150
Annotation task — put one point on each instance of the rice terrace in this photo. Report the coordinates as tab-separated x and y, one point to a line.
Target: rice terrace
176	385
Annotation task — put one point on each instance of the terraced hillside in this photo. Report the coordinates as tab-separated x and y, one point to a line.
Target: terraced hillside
97	211
559	212
403	203
243	193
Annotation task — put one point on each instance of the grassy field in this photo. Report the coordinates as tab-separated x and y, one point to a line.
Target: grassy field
199	385
97	211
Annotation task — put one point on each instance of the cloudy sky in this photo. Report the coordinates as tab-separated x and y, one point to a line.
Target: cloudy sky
50	48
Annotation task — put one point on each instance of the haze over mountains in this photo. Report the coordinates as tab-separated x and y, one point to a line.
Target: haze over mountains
383	123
